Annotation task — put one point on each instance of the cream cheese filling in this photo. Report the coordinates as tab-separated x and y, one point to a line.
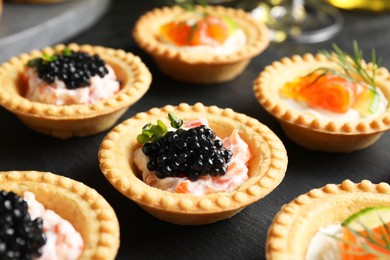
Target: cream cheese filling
323	246
349	116
63	241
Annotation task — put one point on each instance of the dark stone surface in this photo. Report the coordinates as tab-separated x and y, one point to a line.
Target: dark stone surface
244	235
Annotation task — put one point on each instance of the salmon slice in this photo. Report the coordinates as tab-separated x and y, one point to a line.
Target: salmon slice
328	91
210	30
354	244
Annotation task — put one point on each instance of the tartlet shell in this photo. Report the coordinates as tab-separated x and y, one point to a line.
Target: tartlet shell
295	224
74	120
266	167
202	69
84	207
308	130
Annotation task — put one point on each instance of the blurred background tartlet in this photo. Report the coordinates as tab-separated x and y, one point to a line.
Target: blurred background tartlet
88	212
210	44
74	119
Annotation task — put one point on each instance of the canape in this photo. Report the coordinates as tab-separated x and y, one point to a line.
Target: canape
180	201
204	45
53	92
51	197
326	222
327	102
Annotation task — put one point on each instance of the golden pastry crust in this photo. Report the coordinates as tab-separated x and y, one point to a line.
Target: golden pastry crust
308	130
74	120
203	69
87	210
293	226
266	167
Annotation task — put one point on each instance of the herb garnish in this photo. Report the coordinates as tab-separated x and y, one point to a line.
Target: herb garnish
380	241
154	132
47	58
352	64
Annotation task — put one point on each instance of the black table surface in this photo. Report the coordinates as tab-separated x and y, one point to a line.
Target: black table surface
244	235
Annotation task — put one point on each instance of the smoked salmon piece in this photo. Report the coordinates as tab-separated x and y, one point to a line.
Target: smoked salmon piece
328	91
354	244
210	30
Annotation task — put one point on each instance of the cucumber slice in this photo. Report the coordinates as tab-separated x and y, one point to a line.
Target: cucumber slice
370	218
232	25
367	102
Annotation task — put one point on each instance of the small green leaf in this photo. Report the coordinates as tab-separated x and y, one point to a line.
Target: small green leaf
154	132
162	126
34	62
148	133
49	58
175	123
157	130
147	126
67	52
141	138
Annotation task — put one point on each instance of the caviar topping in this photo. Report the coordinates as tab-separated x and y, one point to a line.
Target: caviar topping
188	153
20	237
73	68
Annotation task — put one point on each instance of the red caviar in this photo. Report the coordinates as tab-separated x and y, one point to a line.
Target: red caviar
210	30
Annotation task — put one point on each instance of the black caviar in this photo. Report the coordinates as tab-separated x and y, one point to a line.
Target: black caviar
192	153
74	68
20	237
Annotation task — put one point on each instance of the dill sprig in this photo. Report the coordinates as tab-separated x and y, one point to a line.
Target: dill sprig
353	64
363	248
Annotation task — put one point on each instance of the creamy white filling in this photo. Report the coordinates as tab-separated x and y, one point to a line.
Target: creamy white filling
350	115
58	94
235	42
323	246
63	241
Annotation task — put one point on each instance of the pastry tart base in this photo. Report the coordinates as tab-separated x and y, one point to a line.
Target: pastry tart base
183	66
298	221
266	167
89	213
74	120
309	130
